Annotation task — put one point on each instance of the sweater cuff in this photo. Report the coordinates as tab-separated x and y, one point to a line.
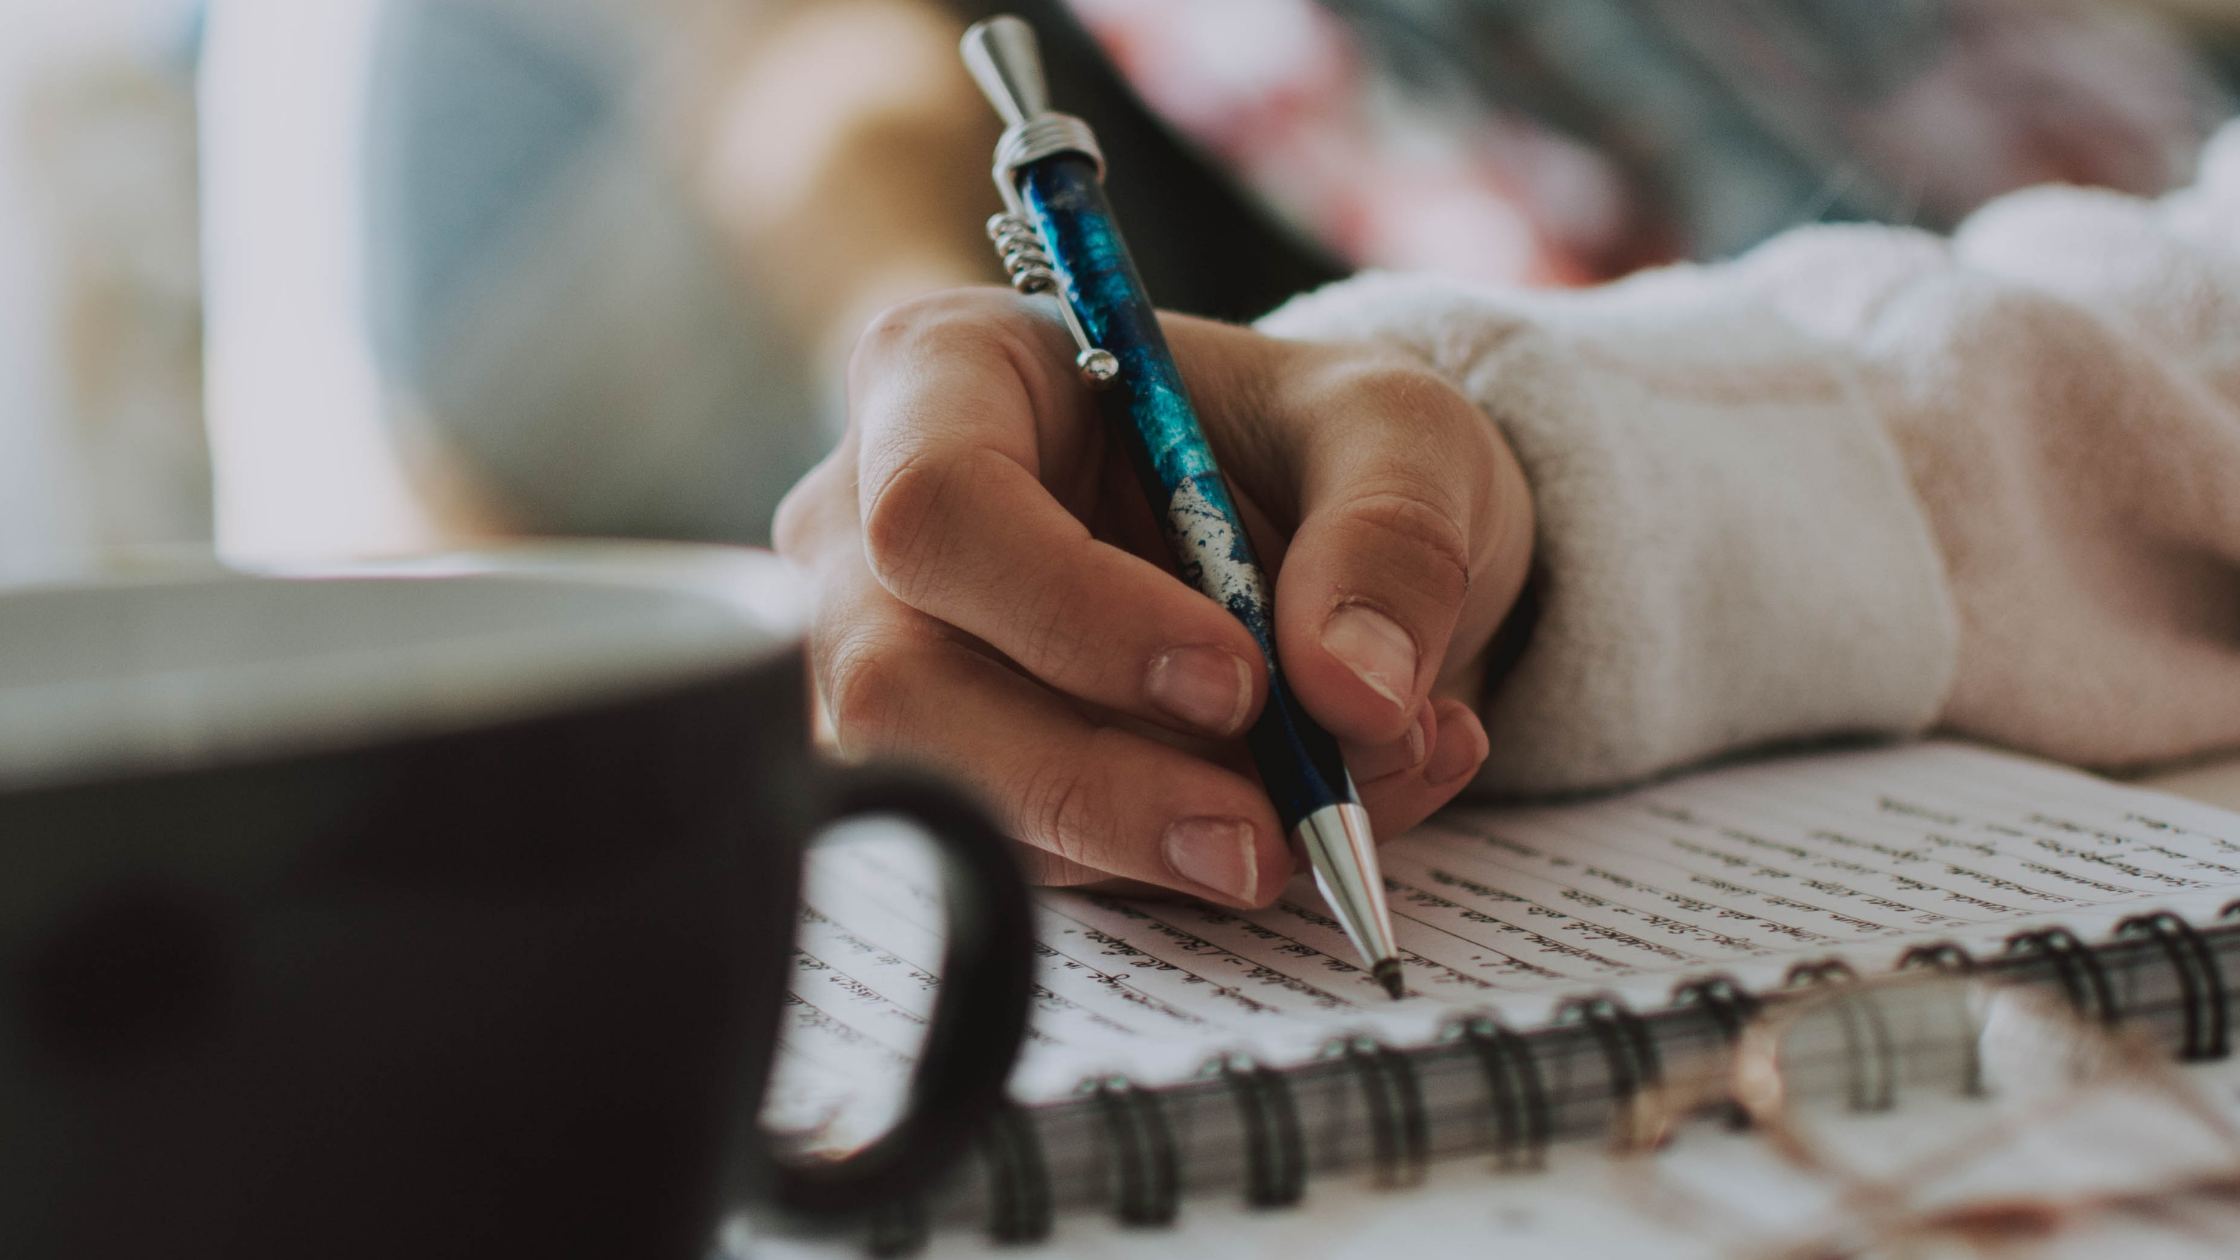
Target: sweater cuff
1729	552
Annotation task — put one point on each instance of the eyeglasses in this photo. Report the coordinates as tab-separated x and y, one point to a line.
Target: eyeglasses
1938	1116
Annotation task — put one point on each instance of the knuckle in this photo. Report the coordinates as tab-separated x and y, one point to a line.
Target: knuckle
1421	544
866	680
1052	640
885	338
1394	386
902	323
944	322
901	507
1060	811
1420	410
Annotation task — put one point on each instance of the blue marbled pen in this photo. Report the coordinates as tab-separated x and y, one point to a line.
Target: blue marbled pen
1057	232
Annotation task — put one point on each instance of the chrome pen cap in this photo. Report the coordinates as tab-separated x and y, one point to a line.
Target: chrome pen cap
1005	61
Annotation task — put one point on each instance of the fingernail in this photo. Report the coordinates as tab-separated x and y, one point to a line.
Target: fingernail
1461	749
1206	687
1216	853
1371	764
1375	648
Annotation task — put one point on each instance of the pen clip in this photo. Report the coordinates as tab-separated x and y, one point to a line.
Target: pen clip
1024	257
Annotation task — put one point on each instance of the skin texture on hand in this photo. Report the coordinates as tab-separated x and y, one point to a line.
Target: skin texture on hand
993	597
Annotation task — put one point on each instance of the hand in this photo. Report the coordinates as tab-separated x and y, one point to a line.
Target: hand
993	596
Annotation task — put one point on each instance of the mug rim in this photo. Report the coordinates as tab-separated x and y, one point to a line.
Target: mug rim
620	619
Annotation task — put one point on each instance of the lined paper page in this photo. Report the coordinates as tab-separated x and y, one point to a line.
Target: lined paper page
1747	870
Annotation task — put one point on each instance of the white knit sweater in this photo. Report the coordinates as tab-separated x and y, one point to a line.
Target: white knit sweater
1867	480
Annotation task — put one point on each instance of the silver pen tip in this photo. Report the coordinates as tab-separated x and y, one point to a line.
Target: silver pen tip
1343	850
1388	975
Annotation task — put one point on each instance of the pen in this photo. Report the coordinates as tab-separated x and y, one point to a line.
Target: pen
1057	232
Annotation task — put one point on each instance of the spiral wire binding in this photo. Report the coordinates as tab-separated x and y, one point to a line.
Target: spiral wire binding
1818	971
1275	1151
2083	979
1943	955
1723	998
1870	1053
1020	1209
2199	978
1145	1164
1627	1047
1731	1007
1523	1119
1399	1132
1143	1160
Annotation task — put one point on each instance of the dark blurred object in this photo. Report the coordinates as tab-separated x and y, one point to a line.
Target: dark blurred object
437	912
1554	141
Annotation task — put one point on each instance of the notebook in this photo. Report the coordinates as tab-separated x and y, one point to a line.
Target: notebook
1551	953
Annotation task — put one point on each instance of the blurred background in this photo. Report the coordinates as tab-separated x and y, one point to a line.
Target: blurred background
315	278
101	435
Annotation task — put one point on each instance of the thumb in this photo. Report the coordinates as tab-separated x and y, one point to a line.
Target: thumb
1414	538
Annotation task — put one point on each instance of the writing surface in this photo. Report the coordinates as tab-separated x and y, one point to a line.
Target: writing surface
1748	869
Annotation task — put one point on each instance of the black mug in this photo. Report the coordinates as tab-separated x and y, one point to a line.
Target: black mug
438	910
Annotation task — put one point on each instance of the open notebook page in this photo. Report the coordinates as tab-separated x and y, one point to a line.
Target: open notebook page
1747	870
